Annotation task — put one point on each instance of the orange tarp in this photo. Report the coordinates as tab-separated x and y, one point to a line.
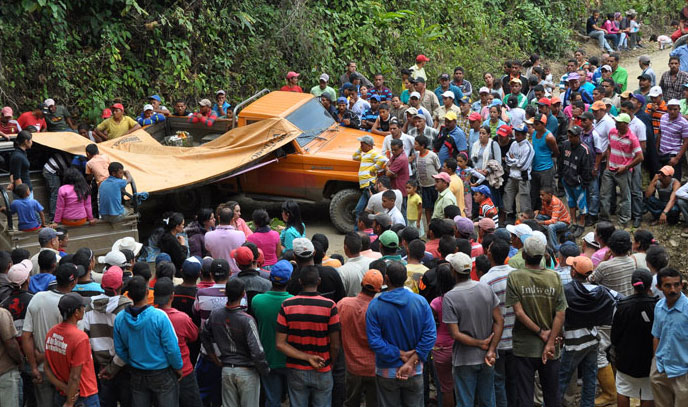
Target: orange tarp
155	167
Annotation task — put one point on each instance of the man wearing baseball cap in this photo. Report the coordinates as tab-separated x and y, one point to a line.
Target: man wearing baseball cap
187	333
149	116
673	137
8	126
266	307
360	373
476	307
330	282
41	315
662	205
292	85
575	173
57	117
346	117
98	323
624	154
589	306
538	299
486	208
418	70
372	163
444	195
204	114
117	125
69	365
445	86
428	100
253	282
518	165
448	105
451	140
322	88
221	106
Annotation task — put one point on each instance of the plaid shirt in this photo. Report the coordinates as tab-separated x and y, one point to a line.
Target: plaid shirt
672	87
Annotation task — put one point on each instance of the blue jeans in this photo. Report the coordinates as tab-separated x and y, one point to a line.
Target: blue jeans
115	390
594	196
361	205
504	380
656	207
475	382
154	386
273	384
209	377
586	362
309	384
90	401
599	35
552	231
189	395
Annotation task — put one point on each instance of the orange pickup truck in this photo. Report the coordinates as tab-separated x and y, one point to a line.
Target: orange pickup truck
316	166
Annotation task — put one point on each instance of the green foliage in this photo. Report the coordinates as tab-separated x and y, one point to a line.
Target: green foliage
88	54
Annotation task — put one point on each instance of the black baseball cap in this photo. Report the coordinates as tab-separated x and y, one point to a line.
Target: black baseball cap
163	290
219	269
66	273
71	302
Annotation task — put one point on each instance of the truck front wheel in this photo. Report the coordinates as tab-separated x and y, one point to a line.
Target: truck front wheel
342	207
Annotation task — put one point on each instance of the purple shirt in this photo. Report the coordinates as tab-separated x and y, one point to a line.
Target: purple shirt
673	132
400	167
221	241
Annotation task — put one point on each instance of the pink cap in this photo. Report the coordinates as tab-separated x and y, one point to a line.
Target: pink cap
112	278
443	176
292	74
7	111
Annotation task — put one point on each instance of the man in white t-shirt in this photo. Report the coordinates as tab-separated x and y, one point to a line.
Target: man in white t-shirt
382	184
41	315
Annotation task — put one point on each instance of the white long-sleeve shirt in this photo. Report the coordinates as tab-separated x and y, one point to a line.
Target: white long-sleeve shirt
520	158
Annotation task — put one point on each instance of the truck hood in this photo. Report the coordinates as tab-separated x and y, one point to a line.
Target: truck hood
156	168
341	142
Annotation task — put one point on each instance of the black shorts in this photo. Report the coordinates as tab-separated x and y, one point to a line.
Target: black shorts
429	195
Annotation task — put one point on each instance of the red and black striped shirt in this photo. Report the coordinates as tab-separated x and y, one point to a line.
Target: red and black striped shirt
308	319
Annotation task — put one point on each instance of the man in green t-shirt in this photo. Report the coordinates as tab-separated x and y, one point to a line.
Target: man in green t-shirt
538	299
57	117
265	308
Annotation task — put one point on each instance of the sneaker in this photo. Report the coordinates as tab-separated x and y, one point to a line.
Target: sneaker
579	231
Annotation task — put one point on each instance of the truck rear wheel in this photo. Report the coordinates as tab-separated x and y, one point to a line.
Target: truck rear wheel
342	207
189	201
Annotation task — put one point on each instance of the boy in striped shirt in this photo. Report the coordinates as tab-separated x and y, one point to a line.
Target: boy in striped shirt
624	153
308	333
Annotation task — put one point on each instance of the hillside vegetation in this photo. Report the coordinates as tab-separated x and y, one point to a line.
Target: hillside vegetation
87	54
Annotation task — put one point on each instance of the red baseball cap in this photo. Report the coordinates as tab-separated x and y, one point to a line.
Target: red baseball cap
422	58
554	100
106	113
112	278
292	74
242	255
544	101
443	176
117	106
504	130
475	116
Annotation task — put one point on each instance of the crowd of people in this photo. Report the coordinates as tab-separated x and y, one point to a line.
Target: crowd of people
469	271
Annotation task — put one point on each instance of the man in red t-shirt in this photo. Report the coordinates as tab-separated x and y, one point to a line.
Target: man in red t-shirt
68	356
8	127
187	332
33	118
292	83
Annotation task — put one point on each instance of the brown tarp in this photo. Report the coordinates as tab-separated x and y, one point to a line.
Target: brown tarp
159	168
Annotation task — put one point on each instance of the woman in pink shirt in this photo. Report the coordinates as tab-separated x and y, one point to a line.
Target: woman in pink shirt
73	206
442	351
265	238
612	31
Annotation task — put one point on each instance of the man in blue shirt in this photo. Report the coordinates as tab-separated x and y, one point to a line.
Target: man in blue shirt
370	115
110	193
221	107
451	139
669	377
446	85
545	107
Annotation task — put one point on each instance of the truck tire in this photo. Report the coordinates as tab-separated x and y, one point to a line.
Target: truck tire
342	207
189	201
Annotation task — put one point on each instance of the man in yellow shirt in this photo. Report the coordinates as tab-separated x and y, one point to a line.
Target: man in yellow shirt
372	162
118	125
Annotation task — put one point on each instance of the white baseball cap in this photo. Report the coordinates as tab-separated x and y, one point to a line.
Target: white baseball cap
414	95
655	91
448	94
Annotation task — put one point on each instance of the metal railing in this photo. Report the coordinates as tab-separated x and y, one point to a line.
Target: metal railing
240	105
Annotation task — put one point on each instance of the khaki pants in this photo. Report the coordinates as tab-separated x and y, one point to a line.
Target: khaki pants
668	392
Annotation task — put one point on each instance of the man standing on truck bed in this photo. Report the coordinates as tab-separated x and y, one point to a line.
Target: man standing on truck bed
372	162
118	125
292	83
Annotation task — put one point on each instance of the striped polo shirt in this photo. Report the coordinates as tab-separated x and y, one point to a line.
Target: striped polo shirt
370	161
308	319
672	134
496	278
622	148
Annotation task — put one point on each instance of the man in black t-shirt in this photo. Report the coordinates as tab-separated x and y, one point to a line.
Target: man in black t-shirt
594	30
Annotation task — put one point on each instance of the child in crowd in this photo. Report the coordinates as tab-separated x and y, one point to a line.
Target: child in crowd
110	193
28	210
414	204
466	173
365	225
388	202
487	209
63	237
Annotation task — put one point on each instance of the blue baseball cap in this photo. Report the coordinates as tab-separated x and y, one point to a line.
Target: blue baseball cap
522	129
156	97
640	98
465	99
281	271
162	257
192	267
342	99
483	189
376	97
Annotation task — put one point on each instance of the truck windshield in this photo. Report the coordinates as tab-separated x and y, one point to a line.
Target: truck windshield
312	119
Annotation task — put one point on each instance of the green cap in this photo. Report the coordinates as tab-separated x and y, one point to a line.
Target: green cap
389	239
623	118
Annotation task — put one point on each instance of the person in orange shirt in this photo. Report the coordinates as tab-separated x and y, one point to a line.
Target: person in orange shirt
553	215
